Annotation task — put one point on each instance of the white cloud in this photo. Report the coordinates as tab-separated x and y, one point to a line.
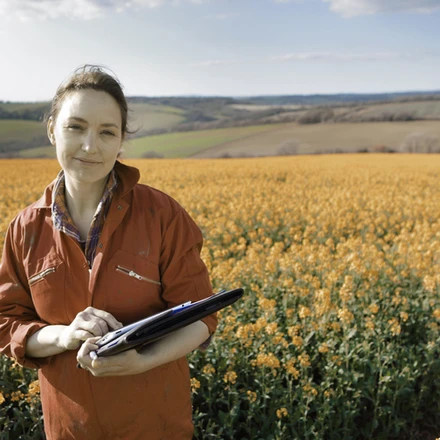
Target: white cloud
26	10
339	56
212	63
351	8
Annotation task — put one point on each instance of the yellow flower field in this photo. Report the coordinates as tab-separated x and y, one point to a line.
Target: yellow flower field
337	335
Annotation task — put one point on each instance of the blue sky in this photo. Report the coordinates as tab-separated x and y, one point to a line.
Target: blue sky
222	47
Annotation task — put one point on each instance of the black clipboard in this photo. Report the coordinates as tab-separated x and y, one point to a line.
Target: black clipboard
157	326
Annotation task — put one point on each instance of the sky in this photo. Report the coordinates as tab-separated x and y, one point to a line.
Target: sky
222	47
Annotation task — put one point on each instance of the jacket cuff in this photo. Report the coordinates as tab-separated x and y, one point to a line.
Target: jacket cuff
211	322
18	345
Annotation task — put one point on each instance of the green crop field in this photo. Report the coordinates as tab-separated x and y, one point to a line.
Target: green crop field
15	130
144	117
188	143
47	151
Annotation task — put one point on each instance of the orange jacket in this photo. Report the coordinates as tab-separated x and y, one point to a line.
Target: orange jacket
44	279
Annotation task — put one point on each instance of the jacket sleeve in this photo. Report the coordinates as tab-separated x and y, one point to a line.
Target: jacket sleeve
18	318
184	275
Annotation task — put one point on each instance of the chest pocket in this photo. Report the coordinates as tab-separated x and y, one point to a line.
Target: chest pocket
133	287
47	285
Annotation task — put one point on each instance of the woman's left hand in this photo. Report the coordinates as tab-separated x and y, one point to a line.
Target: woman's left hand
123	364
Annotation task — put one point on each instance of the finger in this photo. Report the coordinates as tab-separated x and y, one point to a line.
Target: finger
94	339
85	349
103	326
100	371
94	327
92	323
82	335
107	317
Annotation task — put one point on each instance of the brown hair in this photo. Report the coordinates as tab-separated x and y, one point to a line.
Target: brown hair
93	77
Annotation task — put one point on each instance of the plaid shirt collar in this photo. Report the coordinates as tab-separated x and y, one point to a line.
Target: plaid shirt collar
63	221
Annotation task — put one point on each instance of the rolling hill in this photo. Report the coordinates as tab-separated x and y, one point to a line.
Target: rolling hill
218	126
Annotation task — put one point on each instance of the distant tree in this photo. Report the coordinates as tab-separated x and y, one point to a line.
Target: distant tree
316	116
288	148
381	149
152	155
420	143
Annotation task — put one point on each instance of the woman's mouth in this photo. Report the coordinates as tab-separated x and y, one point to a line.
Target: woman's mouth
87	161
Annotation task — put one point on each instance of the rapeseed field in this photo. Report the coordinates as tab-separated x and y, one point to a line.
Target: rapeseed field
337	335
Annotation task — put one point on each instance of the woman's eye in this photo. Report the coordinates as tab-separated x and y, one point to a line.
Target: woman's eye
74	127
108	133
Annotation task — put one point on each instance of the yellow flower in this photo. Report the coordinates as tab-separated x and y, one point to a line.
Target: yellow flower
328	393
252	396
230	376
34	388
304	360
395	326
2	398
195	384
271	328
345	315
374	308
336	359
304	312
290	368
208	369
323	348
293	330
289	313
267	304
279	340
436	313
297	341
369	324
404	316
268	360
335	326
310	390
260	324
429	283
16	396
282	412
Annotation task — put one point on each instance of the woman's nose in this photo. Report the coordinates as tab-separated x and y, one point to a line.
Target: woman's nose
89	143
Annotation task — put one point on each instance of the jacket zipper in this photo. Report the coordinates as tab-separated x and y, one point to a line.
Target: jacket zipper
135	275
40	276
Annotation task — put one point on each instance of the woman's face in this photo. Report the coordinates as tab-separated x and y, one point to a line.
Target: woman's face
87	135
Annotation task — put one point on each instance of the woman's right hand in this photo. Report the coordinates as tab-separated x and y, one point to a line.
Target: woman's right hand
87	324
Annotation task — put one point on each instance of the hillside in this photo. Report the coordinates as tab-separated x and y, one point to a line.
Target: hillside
153	120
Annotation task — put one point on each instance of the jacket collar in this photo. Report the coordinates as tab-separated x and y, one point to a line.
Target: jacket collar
128	177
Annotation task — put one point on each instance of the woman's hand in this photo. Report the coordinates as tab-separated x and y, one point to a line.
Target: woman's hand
87	324
122	364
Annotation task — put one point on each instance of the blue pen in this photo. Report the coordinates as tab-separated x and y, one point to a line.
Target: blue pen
180	307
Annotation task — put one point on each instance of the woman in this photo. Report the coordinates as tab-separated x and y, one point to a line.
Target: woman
96	252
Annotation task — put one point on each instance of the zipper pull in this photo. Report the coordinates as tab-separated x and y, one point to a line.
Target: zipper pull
134	274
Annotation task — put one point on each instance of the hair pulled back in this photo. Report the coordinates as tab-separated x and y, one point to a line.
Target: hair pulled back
90	76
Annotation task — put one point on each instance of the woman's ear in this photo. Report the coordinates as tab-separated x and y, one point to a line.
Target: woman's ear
120	152
50	130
